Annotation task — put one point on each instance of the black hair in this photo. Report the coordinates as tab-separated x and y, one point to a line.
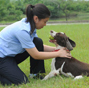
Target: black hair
39	10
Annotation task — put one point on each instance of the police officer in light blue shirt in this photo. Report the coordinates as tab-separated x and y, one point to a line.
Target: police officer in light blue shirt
15	38
19	40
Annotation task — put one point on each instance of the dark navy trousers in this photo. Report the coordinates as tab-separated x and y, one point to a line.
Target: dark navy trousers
10	73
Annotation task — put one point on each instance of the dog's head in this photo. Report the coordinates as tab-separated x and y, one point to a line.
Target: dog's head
62	40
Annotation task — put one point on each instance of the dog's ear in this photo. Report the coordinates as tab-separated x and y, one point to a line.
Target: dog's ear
72	42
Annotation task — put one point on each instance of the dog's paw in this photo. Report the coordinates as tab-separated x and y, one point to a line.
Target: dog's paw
78	77
45	78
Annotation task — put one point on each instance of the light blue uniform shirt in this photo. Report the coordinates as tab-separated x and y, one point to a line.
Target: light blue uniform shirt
15	37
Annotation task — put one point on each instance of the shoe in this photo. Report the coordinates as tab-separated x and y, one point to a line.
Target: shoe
32	75
38	76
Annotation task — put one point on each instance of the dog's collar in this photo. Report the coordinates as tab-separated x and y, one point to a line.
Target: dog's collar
56	50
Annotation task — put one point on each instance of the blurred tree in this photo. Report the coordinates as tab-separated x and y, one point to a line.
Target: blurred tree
3	9
53	6
64	6
15	9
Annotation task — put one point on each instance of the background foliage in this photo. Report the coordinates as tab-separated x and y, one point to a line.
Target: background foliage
15	9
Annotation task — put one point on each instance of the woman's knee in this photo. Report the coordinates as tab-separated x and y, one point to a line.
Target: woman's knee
38	43
37	40
21	80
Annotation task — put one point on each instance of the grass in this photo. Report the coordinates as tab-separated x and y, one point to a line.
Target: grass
77	32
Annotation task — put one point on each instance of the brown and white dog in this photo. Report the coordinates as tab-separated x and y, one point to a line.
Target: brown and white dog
65	66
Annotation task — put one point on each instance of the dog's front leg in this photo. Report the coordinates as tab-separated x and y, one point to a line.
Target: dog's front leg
51	74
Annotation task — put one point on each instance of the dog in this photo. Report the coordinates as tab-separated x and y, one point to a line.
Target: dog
65	66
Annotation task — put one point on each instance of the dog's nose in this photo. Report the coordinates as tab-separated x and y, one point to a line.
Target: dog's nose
51	31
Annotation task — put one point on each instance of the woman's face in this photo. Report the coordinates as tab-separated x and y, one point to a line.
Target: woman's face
40	23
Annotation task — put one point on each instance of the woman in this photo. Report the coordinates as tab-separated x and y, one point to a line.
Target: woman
19	41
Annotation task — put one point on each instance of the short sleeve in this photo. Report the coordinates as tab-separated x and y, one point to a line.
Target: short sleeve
35	35
25	39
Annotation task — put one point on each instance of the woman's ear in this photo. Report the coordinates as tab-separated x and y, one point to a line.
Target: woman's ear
35	18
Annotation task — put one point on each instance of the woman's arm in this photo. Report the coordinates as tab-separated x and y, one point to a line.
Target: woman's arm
49	48
47	55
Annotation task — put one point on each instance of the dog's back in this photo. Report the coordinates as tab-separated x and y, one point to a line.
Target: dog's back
74	66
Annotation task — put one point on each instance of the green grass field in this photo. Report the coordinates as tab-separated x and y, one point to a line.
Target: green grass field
77	32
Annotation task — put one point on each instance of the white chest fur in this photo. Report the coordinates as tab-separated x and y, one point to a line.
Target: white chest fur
61	69
55	72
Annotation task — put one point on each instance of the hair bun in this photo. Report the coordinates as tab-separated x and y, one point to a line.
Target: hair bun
32	6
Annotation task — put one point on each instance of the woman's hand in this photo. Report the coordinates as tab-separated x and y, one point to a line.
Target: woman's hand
64	53
47	55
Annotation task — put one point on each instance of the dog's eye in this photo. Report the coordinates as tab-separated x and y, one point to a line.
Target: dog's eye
66	39
58	34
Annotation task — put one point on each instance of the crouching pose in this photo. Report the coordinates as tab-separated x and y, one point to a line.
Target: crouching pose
19	40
